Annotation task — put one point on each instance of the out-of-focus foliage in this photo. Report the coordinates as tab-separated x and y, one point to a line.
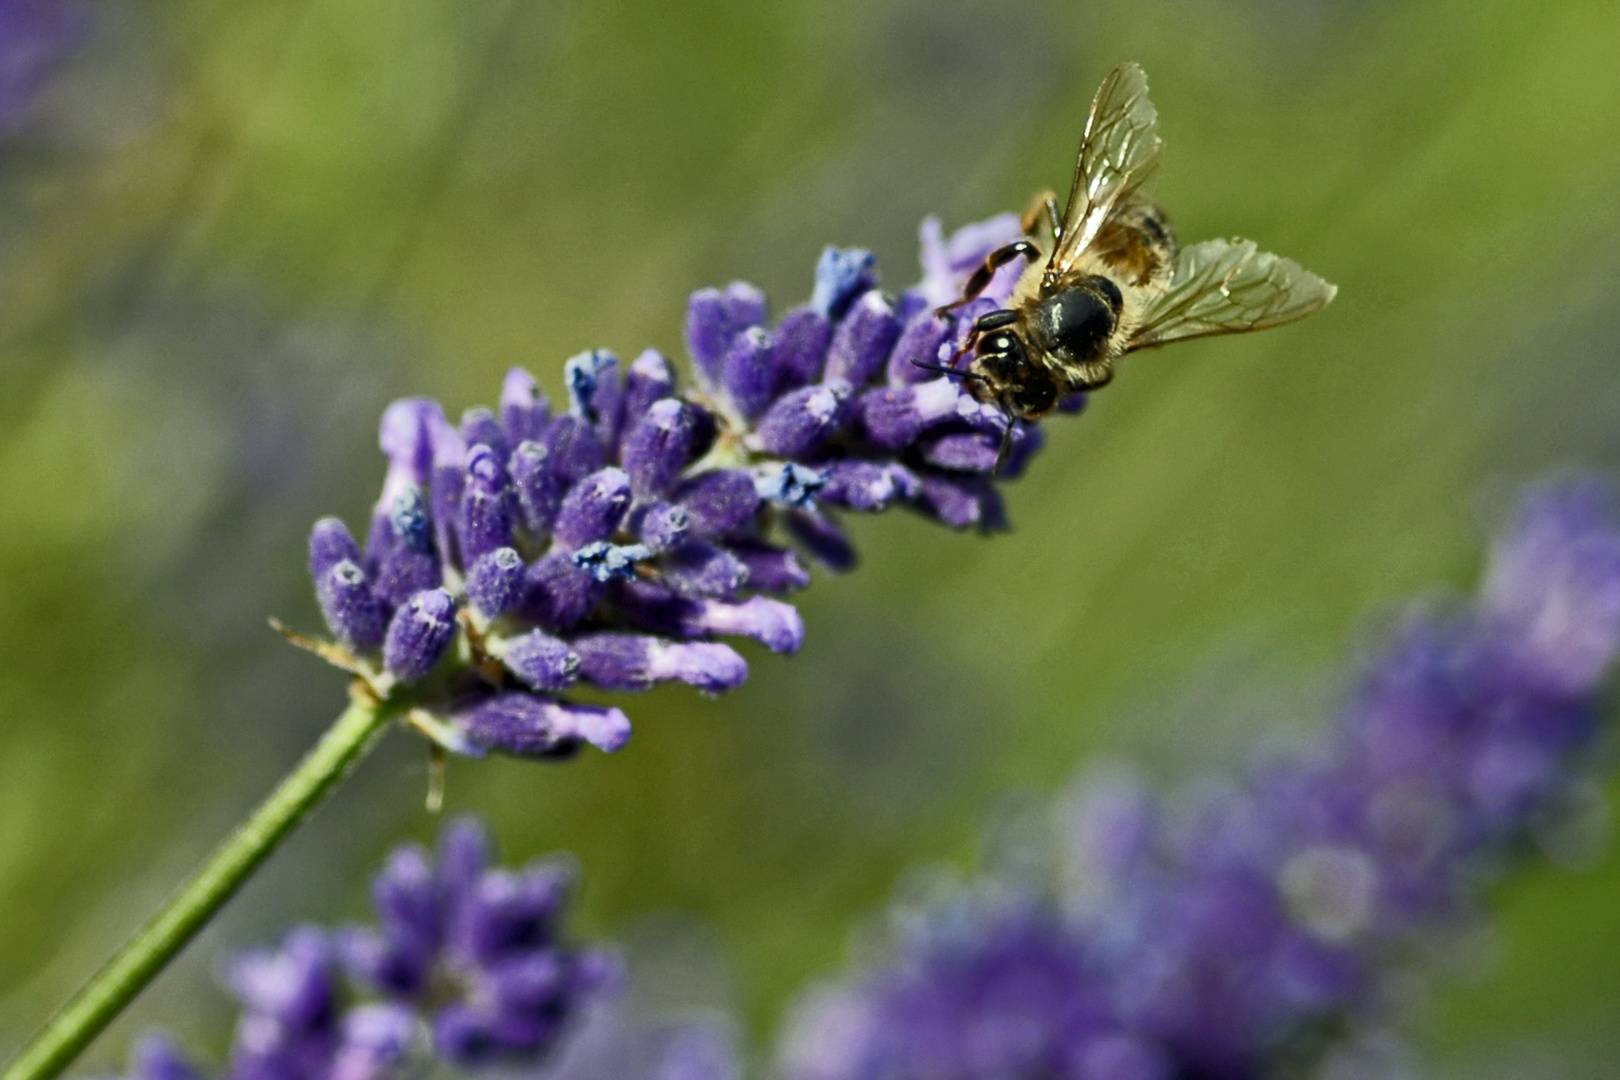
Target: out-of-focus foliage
231	232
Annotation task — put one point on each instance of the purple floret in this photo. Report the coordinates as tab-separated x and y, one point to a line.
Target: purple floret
156	1057
419	634
749	371
802	421
530	725
593	509
541	661
624	662
801	347
659	445
352	610
860	346
989	986
487	511
329	544
495	582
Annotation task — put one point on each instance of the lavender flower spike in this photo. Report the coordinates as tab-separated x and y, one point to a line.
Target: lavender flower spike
524	555
1248	928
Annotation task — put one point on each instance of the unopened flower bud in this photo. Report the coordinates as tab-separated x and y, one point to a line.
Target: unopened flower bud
419	634
486	505
495	582
748	371
802	420
861	344
540	661
593	508
535	483
658	446
329	544
635	662
524	409
719	501
350	607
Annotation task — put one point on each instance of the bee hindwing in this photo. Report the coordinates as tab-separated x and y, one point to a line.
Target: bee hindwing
1229	287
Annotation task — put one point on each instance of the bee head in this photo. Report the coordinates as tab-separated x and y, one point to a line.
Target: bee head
1022	388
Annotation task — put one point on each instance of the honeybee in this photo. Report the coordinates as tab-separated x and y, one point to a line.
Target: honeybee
1115	280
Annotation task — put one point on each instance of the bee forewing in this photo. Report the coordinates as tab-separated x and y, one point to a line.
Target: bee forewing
1228	287
1119	155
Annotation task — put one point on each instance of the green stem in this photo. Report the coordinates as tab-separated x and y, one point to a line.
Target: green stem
233	862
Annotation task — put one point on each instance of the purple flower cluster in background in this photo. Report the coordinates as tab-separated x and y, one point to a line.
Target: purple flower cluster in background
1256	929
34	37
464	959
608	544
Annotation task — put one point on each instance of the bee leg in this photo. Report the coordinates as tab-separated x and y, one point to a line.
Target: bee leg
990	320
987	270
1044	202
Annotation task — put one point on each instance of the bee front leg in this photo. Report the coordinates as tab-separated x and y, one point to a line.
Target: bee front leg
992	320
987	270
1044	202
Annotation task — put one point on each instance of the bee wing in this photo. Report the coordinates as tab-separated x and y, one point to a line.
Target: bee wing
1119	155
1228	287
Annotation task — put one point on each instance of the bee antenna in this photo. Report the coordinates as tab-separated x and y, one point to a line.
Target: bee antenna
1006	445
953	372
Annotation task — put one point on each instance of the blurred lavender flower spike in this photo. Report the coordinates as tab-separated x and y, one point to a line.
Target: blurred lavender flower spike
476	950
1261	928
34	37
522	556
990	984
464	960
297	1023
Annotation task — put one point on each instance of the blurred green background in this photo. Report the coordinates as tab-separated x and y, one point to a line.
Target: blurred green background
233	231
